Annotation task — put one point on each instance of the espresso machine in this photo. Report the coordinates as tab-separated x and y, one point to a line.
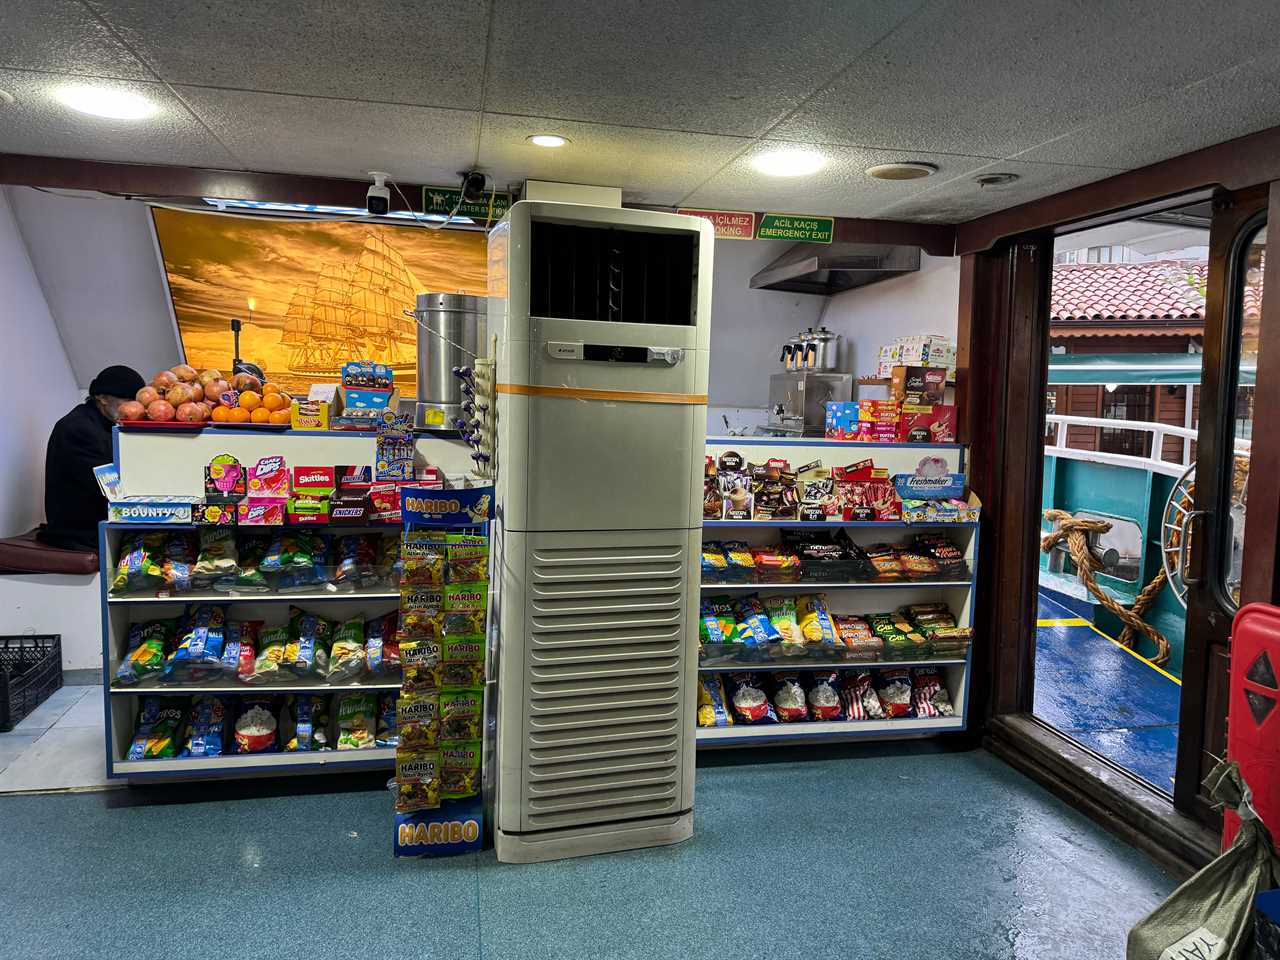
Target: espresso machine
798	398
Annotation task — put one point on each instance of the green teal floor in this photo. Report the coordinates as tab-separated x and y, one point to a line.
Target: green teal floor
895	851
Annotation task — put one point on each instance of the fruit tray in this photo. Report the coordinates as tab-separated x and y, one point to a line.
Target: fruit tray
172	426
228	425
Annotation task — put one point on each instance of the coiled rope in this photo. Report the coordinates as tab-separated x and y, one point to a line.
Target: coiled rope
1074	531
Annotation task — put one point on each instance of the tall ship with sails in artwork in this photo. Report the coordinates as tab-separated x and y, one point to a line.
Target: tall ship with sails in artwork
353	310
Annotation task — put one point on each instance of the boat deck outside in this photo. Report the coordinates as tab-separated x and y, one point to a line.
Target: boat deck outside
1105	697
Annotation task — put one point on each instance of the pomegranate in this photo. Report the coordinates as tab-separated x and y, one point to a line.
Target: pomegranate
246	381
215	389
204	409
178	394
147	395
160	410
188	413
183	372
206	376
164	380
132	409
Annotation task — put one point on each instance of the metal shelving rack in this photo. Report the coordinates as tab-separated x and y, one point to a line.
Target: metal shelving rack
121	703
849	597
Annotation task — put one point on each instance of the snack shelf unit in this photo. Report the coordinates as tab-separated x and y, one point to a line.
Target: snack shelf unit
849	597
121	703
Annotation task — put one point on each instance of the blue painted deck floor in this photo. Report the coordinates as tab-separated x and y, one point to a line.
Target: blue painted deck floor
892	851
1104	697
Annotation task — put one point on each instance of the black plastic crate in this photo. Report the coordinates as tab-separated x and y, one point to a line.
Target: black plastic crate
30	670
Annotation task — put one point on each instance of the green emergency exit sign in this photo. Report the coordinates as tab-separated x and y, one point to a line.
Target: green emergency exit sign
441	201
787	226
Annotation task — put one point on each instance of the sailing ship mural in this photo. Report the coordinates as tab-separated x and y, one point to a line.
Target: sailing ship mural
324	292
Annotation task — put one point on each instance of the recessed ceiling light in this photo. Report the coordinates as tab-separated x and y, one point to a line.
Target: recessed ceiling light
901	171
547	140
789	163
995	179
112	103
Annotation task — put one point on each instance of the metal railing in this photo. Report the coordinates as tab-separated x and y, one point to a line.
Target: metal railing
1154	463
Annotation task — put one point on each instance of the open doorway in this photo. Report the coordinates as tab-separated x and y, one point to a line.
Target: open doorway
1126	331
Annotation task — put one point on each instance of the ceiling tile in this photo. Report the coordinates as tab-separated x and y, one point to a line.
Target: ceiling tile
36	123
980	77
651	166
338	138
707	67
398	51
841	188
1237	101
962	199
63	36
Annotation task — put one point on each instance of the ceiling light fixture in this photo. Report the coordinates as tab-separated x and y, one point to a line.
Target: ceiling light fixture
912	170
995	179
547	140
789	163
114	104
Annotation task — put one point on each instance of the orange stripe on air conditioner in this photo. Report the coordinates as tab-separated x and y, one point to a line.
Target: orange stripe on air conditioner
584	393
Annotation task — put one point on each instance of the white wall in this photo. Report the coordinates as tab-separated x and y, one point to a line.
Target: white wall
926	301
38	382
748	328
96	262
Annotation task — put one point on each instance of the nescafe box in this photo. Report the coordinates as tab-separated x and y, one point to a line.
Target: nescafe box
313	481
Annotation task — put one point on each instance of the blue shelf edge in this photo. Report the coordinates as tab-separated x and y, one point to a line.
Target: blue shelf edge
967	524
824	442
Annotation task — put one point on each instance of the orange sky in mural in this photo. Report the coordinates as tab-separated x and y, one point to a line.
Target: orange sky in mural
215	264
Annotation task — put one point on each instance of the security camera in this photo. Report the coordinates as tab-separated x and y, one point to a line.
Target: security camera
473	184
378	198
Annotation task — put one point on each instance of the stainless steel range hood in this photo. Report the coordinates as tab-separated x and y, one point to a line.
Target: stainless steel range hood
824	269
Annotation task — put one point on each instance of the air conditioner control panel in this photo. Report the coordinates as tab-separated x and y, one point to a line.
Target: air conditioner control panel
613	353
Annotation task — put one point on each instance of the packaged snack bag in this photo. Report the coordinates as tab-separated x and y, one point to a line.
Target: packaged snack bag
929	697
240	646
308	727
462	623
386	732
139	569
382	647
218	558
859	698
718	620
460	674
467	558
893	687
148	643
824	697
159	721
178	567
307	651
815	621
357	720
354	559
270	654
387	566
422	558
782	614
418	659
249	578
466	597
460	768
346	657
713	710
789	699
750	705
754	626
305	561
417	780
256	727
714	562
461	713
418	720
742	567
206	728
201	644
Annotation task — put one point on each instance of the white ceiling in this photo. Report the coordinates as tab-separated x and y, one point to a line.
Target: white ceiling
669	99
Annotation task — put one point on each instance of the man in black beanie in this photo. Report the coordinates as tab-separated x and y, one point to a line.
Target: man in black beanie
80	441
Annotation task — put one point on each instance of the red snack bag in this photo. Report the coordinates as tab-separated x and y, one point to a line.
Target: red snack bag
824	698
789	699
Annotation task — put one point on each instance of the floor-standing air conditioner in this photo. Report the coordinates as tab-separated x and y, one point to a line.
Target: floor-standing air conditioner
602	318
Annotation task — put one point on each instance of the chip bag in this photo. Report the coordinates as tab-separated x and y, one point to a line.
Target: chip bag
307	651
178	566
789	699
858	696
782	614
893	687
308	728
240	646
713	710
139	568
159	721
249	578
386	732
814	619
354	558
357	721
346	656
824	697
218	558
206	728
201	644
750	705
148	643
270	654
754	625
381	644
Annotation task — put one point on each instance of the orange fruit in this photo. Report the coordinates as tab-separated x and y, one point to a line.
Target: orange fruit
274	401
250	400
259	415
268	388
279	416
238	415
221	414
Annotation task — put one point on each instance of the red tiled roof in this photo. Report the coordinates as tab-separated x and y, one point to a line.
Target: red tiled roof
1159	290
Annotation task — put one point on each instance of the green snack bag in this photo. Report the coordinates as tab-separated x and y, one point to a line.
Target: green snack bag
460	713
346	657
147	651
309	639
357	721
253	550
782	614
139	565
467	558
470	597
460	768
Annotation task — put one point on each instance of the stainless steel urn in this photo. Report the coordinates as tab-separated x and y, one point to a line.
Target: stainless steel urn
451	333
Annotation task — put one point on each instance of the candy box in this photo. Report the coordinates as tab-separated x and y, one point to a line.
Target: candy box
261	511
880	411
774	493
944	486
150	510
734	478
919	386
304	508
868	432
384	503
213	514
224	480
361	409
367	373
864	492
841	419
932	424
349	509
928	350
313	481
311	414
269	478
353	477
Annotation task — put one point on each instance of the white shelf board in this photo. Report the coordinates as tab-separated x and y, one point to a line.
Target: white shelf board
218	596
811	587
254	762
738	666
831	729
250	689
